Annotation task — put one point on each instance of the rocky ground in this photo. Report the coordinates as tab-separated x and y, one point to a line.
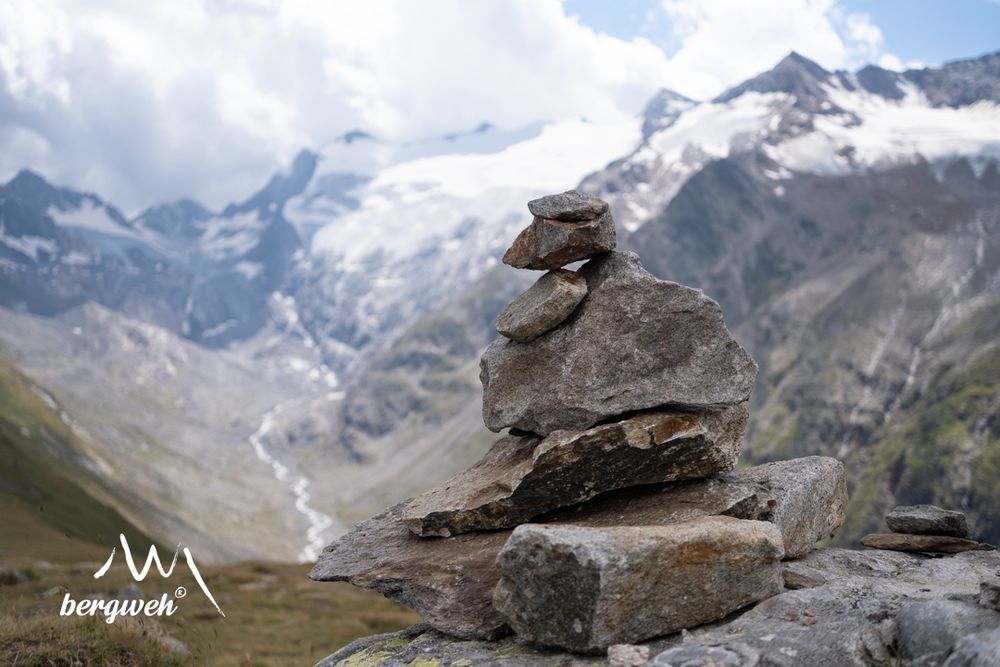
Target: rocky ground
838	607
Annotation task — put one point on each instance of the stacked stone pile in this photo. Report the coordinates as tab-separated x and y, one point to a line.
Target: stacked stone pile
924	528
610	511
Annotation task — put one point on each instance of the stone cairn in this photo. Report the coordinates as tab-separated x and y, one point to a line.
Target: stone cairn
610	512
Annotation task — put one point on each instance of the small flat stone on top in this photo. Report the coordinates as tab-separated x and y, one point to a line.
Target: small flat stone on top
570	206
543	306
549	243
927	520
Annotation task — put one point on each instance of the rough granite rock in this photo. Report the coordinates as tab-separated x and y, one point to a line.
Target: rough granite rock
981	649
929	629
845	621
627	655
551	244
634	343
926	543
543	306
989	593
584	589
521	477
811	494
570	206
927	520
699	655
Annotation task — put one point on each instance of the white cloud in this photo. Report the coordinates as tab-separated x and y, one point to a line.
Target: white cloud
726	41
167	98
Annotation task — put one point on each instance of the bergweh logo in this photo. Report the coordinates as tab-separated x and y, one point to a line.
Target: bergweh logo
112	609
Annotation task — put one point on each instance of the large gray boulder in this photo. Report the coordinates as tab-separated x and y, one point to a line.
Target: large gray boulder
634	343
811	498
584	589
927	520
521	477
543	306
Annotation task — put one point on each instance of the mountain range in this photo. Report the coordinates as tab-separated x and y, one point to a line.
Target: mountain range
307	356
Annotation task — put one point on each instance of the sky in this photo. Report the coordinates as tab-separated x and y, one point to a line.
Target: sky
144	102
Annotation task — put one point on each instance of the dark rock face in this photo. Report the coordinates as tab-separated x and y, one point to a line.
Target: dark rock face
521	478
450	581
551	244
546	303
811	498
929	543
570	206
927	520
585	589
634	343
989	593
977	650
928	630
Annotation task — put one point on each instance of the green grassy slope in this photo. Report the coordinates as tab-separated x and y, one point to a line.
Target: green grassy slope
46	489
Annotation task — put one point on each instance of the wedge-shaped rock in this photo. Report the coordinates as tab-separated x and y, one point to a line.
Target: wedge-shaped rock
927	520
584	589
634	343
570	206
811	499
449	581
944	544
521	478
543	306
551	244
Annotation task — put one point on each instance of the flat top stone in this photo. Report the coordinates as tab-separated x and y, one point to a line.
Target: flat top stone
927	520
568	206
634	343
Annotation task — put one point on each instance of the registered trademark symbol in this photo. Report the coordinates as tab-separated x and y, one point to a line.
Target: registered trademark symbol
180	592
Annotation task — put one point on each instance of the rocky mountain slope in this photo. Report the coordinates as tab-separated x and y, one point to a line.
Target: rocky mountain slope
320	338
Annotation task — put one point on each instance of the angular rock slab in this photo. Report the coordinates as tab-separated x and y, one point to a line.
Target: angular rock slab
584	589
570	206
449	581
811	498
521	478
942	544
543	306
551	244
927	520
634	343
